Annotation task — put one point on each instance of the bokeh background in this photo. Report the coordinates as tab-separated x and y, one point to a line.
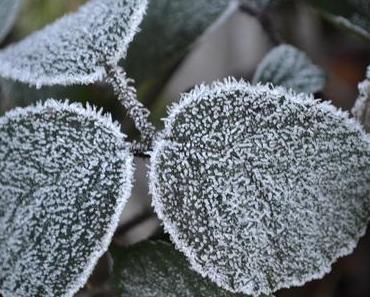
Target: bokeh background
233	48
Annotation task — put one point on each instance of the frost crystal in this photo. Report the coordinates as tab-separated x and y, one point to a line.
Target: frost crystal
75	48
288	67
259	187
8	13
65	176
155	269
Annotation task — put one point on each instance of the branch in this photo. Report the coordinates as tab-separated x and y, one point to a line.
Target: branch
123	88
265	22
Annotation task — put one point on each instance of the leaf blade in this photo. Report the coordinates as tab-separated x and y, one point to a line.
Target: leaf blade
288	67
66	176
156	269
77	47
240	163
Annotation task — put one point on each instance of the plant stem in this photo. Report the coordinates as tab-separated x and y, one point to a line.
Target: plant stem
126	92
265	22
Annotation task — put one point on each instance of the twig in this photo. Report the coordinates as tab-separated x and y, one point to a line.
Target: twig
136	221
123	88
265	22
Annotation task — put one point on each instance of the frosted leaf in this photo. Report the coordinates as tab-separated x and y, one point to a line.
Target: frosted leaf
361	109
287	66
156	269
171	28
75	49
65	176
260	188
8	12
353	15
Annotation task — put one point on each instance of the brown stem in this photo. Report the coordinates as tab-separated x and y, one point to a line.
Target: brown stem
123	88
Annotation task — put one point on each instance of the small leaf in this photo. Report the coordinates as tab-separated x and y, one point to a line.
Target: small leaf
65	176
261	188
8	12
156	269
75	49
353	15
169	30
361	109
288	67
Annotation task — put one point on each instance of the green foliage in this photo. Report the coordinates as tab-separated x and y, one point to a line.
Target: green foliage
169	30
287	66
65	177
252	184
156	269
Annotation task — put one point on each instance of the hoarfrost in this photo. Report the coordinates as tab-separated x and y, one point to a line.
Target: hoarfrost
259	187
8	12
75	49
65	176
156	269
289	67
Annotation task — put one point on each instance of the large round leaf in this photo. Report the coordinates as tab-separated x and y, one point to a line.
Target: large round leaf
259	187
65	176
76	48
156	269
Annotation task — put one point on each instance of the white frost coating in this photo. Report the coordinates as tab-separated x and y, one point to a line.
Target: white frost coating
259	187
287	66
76	48
66	174
8	13
156	269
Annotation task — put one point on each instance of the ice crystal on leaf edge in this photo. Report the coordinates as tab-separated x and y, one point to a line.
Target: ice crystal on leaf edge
103	121
198	94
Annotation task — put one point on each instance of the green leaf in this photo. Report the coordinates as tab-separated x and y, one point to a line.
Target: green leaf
156	269
8	12
76	48
287	66
353	15
66	174
259	187
361	109
169	30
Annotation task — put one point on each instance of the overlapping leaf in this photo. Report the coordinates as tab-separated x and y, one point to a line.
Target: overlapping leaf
8	13
289	67
261	188
65	176
353	15
75	49
156	269
169	29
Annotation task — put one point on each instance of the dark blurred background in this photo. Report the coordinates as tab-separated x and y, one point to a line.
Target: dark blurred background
234	48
